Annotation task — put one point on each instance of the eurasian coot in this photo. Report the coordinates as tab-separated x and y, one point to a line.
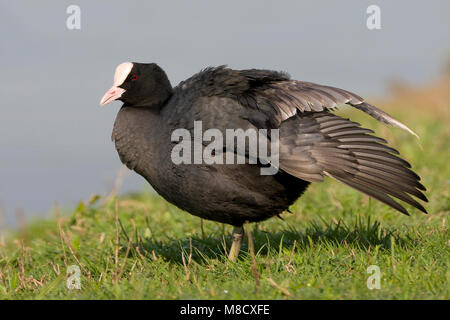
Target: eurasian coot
157	123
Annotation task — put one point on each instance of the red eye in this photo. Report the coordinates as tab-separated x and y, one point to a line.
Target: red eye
134	77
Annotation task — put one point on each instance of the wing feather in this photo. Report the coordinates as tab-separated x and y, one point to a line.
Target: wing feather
308	96
318	144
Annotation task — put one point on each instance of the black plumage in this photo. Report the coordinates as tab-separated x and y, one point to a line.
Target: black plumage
314	143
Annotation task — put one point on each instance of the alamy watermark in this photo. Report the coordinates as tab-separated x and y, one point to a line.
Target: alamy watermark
238	145
74	277
374	280
373	21
73	21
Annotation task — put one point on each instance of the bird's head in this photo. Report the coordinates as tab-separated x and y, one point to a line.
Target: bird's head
138	85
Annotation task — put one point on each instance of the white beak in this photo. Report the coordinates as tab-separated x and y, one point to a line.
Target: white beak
112	94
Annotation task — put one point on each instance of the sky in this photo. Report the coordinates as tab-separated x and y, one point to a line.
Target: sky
55	140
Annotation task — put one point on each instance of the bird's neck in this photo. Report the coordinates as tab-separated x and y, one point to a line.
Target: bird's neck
136	132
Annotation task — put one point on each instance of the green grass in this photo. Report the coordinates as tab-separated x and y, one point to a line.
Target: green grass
322	251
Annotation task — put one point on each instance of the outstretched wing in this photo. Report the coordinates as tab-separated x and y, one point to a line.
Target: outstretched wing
318	144
271	97
288	97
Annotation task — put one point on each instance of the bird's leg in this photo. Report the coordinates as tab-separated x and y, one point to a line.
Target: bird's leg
238	234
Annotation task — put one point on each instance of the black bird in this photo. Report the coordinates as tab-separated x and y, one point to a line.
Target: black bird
313	142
